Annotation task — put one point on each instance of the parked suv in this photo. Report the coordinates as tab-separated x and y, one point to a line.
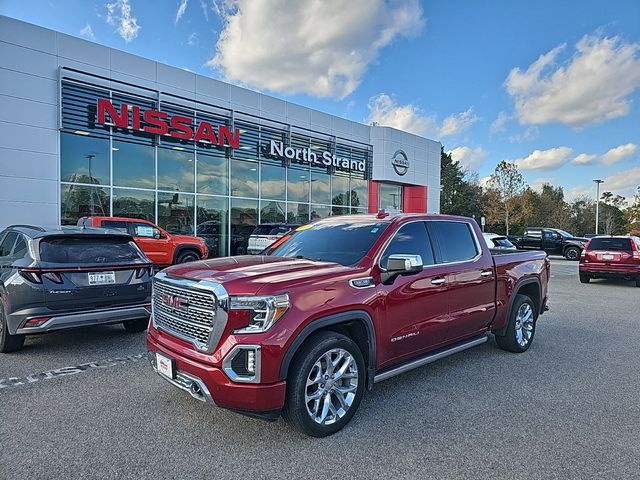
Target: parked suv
265	234
57	279
336	306
161	247
611	257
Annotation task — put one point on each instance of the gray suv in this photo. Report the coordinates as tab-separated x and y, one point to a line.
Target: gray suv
64	278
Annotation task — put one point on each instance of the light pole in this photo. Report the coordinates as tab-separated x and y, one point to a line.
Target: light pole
597	182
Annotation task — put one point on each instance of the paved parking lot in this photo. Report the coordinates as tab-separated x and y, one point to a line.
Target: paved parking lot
568	408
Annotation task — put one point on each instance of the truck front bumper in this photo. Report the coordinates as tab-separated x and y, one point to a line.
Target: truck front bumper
210	384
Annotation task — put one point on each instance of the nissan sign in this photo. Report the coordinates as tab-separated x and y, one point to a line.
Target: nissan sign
400	162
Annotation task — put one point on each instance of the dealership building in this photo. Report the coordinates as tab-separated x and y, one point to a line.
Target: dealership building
89	130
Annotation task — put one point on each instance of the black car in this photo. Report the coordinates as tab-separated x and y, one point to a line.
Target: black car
552	240
52	279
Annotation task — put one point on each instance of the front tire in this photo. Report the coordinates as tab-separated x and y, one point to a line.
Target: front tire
572	253
325	384
584	278
521	328
8	343
188	256
136	326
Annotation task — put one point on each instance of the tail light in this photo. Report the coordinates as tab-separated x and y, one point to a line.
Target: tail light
141	271
55	277
634	248
30	275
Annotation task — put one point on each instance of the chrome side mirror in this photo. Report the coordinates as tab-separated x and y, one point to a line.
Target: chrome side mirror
401	264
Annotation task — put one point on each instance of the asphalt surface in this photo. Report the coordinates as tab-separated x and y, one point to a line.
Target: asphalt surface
569	408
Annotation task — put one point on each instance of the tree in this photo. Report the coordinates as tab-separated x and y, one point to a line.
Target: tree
583	215
509	184
632	215
613	216
460	193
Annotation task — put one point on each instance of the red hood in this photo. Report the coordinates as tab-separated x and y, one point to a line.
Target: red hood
248	275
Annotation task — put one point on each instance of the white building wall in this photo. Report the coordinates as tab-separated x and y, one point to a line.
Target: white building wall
30	59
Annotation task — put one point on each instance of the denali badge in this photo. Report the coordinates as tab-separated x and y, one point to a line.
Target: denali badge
404	337
175	302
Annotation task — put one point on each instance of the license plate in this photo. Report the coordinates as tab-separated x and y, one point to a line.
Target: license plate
164	365
102	278
607	256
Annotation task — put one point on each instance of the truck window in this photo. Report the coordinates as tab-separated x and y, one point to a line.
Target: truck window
115	225
456	240
537	233
146	231
410	239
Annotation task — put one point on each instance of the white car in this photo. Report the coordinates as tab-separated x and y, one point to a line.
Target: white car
499	242
265	234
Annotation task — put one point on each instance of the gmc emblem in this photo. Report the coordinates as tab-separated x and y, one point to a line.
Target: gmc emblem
175	302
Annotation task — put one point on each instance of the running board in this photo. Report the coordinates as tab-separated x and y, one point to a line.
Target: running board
458	347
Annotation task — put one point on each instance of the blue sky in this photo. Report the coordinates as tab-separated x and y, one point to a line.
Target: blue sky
553	86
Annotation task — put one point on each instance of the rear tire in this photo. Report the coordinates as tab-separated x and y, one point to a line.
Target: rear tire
322	396
637	281
8	343
521	327
136	326
584	278
572	253
188	256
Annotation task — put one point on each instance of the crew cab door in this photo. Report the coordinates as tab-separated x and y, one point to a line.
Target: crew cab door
532	239
551	241
415	305
470	276
153	243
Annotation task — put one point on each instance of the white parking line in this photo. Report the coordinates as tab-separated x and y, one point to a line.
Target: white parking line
64	371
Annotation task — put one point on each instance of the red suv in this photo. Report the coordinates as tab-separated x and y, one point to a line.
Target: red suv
161	247
611	257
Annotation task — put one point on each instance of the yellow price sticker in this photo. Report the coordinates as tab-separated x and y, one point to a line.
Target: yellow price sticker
303	227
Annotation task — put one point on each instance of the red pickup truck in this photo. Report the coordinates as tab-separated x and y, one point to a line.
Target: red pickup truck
334	307
160	246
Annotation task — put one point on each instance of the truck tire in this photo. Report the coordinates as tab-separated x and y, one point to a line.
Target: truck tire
8	343
135	326
188	256
325	384
521	327
638	281
572	253
584	278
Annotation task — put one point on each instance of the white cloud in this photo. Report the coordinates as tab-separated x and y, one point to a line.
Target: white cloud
529	134
87	32
119	14
544	159
616	154
624	182
538	183
307	46
385	111
458	123
193	40
499	124
468	158
592	86
584	159
182	6
205	9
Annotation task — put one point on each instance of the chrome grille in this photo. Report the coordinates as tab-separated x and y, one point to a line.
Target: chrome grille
193	320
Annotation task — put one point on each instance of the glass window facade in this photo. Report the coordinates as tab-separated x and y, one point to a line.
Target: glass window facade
390	197
213	191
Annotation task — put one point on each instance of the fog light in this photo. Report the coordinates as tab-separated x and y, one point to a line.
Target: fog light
242	364
251	361
36	322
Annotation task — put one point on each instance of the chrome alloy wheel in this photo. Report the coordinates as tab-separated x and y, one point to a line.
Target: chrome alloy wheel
331	386
524	324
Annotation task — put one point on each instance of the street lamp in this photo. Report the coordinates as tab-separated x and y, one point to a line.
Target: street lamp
597	182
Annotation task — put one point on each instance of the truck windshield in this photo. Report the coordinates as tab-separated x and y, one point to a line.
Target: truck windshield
564	234
345	243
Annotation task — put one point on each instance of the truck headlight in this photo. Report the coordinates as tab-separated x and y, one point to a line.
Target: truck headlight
265	311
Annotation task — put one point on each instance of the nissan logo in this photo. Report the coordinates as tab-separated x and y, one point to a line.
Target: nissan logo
400	162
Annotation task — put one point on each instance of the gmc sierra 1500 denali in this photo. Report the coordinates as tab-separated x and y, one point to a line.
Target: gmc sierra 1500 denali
333	308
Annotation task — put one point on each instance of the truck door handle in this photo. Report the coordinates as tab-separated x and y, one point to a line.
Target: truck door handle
438	281
486	273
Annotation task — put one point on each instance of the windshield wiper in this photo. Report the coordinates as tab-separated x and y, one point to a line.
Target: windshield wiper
302	257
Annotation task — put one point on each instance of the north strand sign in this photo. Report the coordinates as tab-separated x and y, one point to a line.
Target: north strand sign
162	123
305	155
